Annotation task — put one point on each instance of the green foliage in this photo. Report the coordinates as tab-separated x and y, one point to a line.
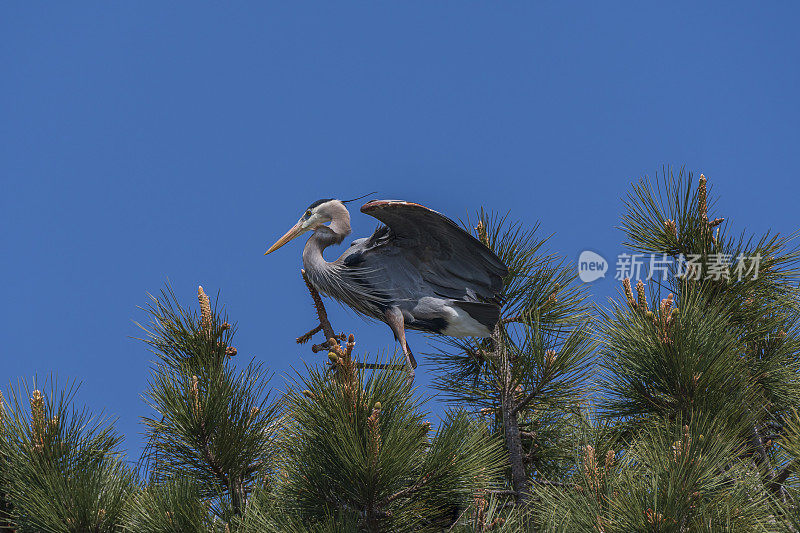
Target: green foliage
787	455
654	365
723	362
672	477
263	517
668	216
213	423
174	506
733	345
62	471
490	513
529	380
360	449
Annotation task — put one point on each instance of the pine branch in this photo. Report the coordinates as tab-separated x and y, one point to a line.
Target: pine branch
781	477
408	491
522	404
212	463
519	478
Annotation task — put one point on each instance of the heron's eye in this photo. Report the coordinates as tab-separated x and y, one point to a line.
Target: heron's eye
308	212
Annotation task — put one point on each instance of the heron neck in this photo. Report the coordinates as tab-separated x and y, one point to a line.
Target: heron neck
323	237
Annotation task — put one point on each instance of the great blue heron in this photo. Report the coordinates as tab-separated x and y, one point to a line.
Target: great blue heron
419	271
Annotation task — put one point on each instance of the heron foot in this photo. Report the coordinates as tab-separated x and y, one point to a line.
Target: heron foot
394	318
327	344
411	364
410	377
305	337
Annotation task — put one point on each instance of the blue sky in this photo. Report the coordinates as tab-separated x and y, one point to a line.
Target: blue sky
141	141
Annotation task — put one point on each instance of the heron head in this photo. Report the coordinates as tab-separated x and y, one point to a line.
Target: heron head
317	214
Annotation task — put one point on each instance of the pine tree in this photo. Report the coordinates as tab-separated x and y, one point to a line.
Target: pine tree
61	467
788	454
529	379
350	450
5	506
699	373
358	449
213	434
171	506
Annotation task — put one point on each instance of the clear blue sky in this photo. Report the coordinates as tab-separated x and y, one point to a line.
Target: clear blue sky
141	141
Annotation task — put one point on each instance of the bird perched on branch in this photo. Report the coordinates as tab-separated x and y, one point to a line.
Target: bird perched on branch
419	270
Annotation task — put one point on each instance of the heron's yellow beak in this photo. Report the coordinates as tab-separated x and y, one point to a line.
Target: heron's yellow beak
291	234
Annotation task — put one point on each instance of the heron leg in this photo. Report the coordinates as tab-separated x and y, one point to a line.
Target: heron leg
324	323
394	317
410	355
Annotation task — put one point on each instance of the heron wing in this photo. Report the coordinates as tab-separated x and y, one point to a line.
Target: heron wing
451	261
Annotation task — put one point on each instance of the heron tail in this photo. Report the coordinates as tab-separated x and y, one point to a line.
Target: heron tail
485	313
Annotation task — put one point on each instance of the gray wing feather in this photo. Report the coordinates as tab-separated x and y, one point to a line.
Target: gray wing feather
432	252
